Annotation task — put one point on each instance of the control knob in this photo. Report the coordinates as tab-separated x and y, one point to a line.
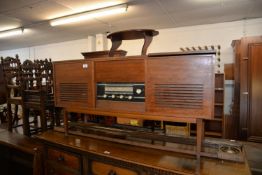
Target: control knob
104	95
113	96
121	96
138	91
129	97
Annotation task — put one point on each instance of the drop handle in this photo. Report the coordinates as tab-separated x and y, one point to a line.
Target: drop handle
245	93
61	158
112	172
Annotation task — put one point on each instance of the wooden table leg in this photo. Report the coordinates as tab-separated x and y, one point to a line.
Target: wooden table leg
200	139
115	44
200	136
147	41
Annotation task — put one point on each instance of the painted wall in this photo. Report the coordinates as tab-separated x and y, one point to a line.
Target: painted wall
57	51
167	41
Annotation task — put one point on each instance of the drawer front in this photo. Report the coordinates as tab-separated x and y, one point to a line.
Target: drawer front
64	158
52	171
99	168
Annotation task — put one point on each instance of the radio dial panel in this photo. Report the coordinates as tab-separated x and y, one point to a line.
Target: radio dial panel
134	92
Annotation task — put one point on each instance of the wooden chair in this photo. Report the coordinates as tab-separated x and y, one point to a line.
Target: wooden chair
45	72
12	77
3	110
37	93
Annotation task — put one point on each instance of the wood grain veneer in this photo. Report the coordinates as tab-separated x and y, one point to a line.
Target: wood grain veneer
176	86
180	86
74	84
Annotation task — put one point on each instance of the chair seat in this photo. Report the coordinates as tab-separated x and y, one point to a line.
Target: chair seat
10	86
15	100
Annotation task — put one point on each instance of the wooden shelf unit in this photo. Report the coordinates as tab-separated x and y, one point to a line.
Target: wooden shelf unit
215	127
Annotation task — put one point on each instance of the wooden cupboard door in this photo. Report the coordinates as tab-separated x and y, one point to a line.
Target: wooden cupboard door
255	116
244	99
74	84
181	86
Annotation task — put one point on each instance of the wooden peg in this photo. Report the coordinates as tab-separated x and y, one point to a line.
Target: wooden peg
182	49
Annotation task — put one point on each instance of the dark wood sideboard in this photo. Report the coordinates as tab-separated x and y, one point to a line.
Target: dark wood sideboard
75	155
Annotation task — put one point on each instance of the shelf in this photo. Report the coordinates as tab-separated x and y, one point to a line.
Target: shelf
209	133
215	126
212	133
219	89
217	119
219	104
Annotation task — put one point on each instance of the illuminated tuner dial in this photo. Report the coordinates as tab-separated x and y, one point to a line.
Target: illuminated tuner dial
138	91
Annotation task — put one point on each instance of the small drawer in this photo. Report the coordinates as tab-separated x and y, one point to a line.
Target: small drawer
99	168
53	171
64	158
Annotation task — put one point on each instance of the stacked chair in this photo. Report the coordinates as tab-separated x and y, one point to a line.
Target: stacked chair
12	77
36	95
3	110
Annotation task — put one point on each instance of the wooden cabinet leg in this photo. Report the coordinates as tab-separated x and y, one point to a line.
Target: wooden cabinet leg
200	139
38	161
66	122
200	136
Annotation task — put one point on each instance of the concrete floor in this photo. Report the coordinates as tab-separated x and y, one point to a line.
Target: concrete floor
254	157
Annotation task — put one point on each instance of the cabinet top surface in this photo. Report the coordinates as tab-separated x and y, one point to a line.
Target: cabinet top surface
18	141
149	157
161	55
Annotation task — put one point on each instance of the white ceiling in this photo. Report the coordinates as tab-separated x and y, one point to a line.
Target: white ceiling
155	14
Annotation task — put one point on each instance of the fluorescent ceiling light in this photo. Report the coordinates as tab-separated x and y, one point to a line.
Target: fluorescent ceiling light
12	32
89	15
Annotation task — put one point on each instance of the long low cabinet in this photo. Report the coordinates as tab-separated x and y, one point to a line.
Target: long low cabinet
75	155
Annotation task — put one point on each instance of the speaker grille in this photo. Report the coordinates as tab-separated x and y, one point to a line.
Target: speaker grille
188	96
74	92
